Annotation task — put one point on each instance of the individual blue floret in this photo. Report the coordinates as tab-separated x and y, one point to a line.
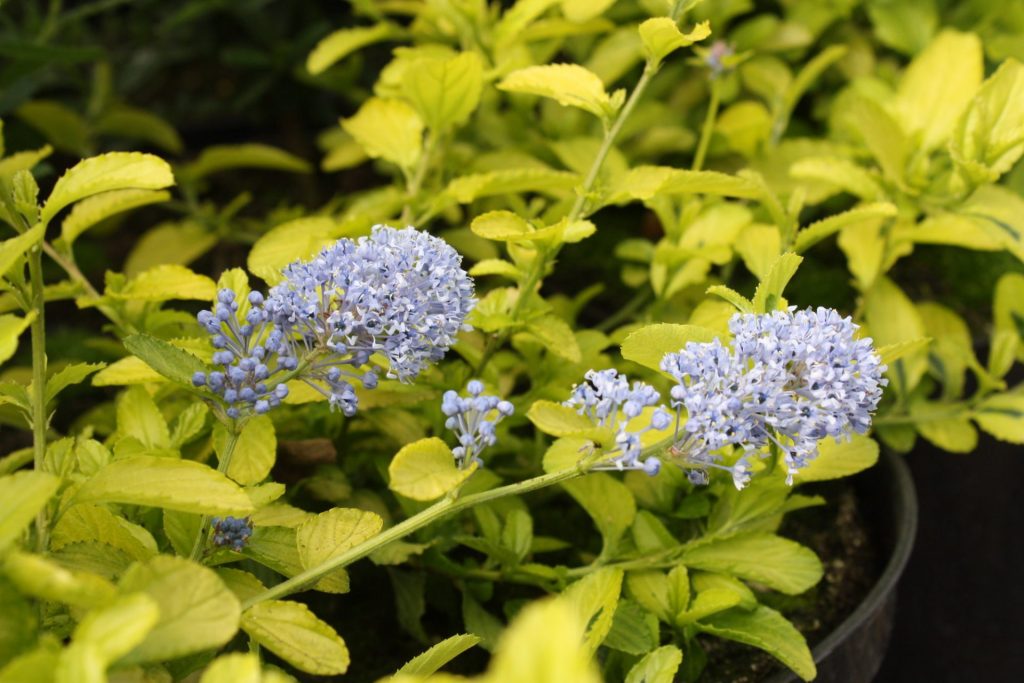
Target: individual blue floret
473	419
608	399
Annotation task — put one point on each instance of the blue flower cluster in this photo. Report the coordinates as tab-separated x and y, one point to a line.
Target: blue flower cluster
473	419
791	379
607	398
251	357
231	532
400	293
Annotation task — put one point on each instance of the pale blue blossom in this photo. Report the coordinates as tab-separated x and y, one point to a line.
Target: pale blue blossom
401	294
790	379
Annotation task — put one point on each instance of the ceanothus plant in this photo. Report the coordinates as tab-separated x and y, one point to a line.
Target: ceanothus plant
501	133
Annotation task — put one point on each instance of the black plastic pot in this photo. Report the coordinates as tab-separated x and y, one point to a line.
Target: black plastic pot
853	652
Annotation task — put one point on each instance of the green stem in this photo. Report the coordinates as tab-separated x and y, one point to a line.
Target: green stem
609	140
709	125
39	421
579	209
416	181
225	461
446	507
67	263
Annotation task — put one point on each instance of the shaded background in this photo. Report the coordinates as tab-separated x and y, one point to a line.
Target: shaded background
960	604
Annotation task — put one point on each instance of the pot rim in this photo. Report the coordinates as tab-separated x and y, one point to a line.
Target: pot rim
903	513
904	516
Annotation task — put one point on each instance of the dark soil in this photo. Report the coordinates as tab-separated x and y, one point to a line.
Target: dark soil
839	536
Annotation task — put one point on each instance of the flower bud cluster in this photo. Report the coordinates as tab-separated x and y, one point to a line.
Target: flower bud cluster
473	418
609	401
791	379
251	356
717	56
231	532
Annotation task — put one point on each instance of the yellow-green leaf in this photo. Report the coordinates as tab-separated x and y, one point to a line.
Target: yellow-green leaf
250	155
197	611
565	452
570	85
837	460
892	318
120	626
646	182
14	248
387	129
501	226
768	295
59	124
989	137
173	242
339	44
843	174
649	344
543	645
11	327
255	452
334	532
469	188
295	240
138	124
661	36
557	337
22	495
776	562
1002	416
169	483
595	597
445	91
608	502
815	232
425	470
112	171
768	630
235	667
950	432
657	666
938	85
706	603
169	360
292	632
895	351
166	282
433	659
558	420
37	576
